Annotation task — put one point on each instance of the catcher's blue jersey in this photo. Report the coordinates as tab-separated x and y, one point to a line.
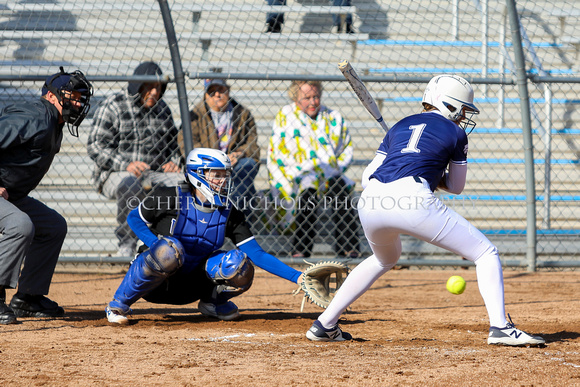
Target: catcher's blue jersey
201	233
421	145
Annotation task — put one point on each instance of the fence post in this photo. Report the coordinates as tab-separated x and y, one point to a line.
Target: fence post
455	21
527	133
485	43
179	76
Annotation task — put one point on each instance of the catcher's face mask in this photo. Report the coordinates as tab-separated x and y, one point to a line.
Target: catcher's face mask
210	172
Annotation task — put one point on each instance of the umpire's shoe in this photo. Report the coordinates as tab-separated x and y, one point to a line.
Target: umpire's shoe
512	336
318	333
7	315
28	305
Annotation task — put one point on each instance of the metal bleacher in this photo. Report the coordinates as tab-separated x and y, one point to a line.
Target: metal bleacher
208	39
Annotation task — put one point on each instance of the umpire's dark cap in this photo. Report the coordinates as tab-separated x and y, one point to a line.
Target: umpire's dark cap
59	80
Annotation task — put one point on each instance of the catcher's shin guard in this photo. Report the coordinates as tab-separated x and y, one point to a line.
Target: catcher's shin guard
147	271
232	272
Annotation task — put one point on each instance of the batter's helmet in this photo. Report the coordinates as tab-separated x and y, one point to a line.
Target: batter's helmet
453	97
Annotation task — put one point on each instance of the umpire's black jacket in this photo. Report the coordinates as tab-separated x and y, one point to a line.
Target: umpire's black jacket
30	136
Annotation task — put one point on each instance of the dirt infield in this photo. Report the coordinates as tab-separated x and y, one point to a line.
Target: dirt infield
408	330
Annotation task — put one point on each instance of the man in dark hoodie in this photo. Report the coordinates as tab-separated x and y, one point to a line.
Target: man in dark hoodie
30	232
133	142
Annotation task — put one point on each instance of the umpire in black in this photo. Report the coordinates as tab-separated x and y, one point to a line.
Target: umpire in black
30	232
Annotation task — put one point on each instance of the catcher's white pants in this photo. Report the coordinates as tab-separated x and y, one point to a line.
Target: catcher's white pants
407	206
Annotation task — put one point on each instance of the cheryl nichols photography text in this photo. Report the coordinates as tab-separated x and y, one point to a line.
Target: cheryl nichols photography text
325	202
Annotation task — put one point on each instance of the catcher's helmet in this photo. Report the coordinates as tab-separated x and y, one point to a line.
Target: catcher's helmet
453	97
62	85
200	170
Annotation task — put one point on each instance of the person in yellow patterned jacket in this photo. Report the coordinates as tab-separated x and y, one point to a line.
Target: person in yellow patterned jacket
309	151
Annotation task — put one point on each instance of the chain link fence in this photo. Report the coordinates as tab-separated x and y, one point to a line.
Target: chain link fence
396	46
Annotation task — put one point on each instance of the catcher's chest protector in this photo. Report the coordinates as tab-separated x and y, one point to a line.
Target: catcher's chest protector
201	233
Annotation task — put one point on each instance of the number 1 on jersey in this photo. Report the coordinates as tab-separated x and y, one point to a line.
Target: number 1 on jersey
414	139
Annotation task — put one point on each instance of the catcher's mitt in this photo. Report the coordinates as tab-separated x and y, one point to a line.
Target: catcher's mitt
321	281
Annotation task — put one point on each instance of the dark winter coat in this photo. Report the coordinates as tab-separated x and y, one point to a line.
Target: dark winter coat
30	137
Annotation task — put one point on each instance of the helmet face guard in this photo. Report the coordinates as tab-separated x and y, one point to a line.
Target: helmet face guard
463	116
78	90
466	122
209	171
453	97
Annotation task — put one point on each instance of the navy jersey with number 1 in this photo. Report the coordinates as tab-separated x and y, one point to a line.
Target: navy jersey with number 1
421	145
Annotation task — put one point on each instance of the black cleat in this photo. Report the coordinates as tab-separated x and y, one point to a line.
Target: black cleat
27	305
7	315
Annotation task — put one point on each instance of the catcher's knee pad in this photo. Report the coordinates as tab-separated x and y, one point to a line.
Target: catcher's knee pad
165	256
231	271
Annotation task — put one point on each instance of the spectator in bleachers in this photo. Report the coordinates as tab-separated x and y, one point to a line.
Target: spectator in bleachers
220	122
274	21
309	151
336	18
133	142
30	232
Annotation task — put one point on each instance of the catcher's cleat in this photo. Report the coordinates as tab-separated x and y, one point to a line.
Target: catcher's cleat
227	311
512	336
115	316
318	333
28	305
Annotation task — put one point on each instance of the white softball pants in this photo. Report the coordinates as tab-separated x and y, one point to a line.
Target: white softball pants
407	206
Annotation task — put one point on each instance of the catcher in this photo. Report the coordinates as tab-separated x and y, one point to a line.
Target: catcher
184	227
